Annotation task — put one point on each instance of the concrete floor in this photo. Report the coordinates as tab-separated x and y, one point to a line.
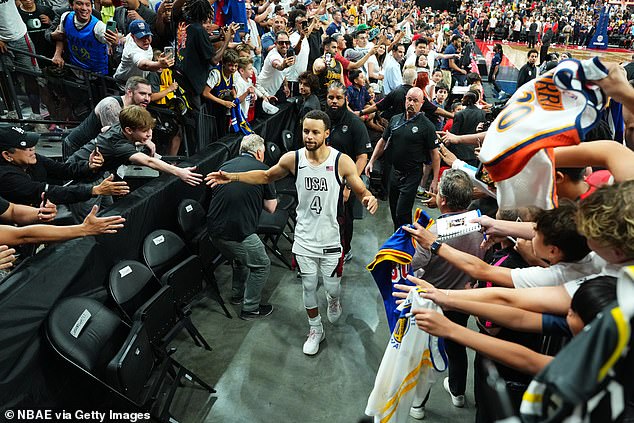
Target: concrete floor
259	370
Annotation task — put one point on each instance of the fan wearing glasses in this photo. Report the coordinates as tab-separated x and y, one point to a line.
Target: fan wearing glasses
272	79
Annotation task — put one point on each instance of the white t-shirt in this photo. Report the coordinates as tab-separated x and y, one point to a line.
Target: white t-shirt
410	61
431	60
12	27
130	59
271	79
241	86
493	22
557	274
301	60
608	270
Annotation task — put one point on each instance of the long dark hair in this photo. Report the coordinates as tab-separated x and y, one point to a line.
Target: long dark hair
593	296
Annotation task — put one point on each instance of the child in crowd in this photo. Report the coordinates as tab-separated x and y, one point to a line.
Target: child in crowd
430	90
442	92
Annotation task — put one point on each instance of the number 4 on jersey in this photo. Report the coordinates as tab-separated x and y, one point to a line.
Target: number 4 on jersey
315	205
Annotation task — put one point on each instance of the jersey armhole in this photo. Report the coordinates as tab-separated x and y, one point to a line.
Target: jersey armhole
339	181
296	163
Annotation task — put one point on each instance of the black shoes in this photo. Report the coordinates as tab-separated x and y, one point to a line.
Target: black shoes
263	311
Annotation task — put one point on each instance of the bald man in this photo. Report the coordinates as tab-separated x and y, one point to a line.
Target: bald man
410	139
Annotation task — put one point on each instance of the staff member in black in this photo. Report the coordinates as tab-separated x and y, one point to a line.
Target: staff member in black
234	213
410	139
350	136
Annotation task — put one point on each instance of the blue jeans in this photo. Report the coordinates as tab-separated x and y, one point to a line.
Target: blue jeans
251	266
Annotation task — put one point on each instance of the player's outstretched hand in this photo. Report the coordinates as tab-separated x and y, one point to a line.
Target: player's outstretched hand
370	203
217	178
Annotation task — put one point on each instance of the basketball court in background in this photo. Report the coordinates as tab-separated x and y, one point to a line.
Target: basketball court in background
515	57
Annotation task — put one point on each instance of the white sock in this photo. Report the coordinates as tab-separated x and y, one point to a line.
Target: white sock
316	323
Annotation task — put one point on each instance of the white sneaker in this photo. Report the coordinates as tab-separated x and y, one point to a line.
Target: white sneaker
311	346
417	413
334	308
457	400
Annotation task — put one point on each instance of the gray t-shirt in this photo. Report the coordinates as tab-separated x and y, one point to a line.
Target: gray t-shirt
440	273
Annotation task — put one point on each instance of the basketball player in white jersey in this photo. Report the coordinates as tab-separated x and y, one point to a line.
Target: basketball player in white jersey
320	173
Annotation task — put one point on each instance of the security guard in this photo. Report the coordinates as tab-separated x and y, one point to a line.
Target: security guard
349	135
410	139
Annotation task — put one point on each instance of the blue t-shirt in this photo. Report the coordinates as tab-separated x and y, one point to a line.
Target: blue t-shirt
332	28
555	325
451	49
357	98
497	59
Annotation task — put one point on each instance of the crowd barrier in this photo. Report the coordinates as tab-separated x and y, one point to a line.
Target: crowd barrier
81	266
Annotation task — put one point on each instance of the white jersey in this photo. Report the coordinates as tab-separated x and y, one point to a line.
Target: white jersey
412	362
318	194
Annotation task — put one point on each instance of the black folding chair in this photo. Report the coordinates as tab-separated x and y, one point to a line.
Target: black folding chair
271	227
192	221
112	365
139	295
166	255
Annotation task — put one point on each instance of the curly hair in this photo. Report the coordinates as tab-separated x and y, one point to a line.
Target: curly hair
607	216
197	11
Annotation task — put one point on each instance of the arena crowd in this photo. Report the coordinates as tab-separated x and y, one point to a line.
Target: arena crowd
393	87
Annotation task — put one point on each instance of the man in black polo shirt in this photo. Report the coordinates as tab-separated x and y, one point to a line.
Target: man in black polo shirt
234	213
394	103
349	135
410	139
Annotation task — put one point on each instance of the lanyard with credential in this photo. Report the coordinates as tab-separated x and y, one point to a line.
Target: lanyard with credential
387	142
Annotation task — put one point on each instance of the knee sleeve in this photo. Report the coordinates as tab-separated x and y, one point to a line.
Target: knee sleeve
308	271
331	271
309	282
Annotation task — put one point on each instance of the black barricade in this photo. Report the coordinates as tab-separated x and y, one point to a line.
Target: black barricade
81	267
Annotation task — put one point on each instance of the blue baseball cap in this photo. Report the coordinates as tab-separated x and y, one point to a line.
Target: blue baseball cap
139	28
308	2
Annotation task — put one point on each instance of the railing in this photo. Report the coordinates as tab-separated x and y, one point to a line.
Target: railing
87	81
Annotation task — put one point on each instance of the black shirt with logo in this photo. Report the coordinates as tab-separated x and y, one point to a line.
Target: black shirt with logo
350	136
410	141
36	28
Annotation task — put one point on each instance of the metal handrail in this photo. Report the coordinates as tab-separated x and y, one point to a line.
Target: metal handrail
84	84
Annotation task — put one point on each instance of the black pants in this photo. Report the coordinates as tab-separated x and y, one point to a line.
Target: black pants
348	223
532	40
543	53
494	82
487	408
402	194
457	355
